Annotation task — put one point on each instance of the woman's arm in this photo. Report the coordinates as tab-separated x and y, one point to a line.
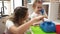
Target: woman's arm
21	29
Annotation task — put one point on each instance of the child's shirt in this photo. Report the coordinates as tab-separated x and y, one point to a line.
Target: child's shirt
35	15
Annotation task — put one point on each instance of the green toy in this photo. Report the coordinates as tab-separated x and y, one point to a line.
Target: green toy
38	30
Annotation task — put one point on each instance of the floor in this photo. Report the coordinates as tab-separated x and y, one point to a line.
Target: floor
2	25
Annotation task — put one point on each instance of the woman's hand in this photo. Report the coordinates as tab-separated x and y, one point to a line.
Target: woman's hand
45	16
37	19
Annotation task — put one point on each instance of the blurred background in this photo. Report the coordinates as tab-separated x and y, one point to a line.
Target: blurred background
52	8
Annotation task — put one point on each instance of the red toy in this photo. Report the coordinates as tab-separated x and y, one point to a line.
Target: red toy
57	29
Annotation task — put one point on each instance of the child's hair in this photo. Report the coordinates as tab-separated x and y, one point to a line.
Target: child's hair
19	13
36	1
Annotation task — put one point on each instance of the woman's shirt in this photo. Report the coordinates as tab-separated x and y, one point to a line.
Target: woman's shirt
9	24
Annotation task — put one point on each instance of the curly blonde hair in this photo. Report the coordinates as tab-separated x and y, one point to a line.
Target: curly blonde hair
36	1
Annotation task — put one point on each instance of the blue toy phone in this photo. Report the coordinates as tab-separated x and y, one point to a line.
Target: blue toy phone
42	11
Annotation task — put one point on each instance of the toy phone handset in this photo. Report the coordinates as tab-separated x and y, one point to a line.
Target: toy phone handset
42	11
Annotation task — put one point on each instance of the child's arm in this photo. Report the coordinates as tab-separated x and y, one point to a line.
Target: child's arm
45	14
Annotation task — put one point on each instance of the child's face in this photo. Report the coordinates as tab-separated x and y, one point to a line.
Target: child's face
38	7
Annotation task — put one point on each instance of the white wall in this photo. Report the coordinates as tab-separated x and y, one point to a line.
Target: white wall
8	5
53	14
30	9
16	4
11	6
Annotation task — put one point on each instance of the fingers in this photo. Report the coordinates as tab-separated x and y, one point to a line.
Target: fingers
45	16
39	18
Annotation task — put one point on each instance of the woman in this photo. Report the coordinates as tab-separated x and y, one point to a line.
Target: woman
16	24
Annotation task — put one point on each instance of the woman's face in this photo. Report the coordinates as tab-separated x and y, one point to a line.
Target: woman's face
27	15
38	7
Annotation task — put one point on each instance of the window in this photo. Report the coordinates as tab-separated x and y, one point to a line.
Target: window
4	7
